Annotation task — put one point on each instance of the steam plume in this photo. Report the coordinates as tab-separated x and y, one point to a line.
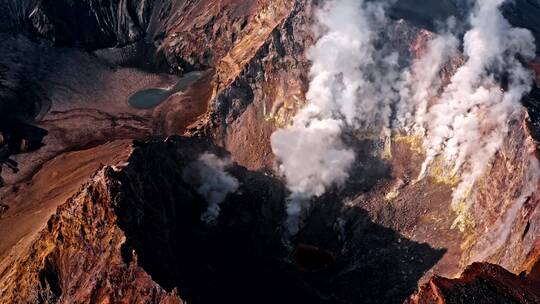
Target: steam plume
422	82
467	126
212	181
464	119
351	87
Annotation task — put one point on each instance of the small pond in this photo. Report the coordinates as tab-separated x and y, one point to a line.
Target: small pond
152	97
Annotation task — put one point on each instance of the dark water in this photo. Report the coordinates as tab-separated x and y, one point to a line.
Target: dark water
149	98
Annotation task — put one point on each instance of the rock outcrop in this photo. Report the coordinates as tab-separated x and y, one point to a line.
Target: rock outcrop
479	283
77	257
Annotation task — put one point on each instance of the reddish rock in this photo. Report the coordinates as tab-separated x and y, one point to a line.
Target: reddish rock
480	283
77	258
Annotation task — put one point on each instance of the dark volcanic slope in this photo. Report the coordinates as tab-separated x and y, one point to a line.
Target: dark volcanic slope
90	23
133	232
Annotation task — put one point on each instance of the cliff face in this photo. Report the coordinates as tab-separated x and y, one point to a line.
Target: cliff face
479	283
31	205
77	257
504	223
91	23
251	103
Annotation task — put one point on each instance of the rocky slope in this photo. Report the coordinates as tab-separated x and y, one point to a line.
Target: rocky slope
480	283
31	204
77	258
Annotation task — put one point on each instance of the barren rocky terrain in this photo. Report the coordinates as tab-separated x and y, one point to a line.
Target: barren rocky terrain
95	206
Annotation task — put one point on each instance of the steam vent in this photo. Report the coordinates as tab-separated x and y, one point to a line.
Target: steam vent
270	151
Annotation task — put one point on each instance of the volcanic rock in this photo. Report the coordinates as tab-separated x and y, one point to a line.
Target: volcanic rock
480	283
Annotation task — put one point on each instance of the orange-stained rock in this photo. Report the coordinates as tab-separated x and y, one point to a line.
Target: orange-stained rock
480	283
77	258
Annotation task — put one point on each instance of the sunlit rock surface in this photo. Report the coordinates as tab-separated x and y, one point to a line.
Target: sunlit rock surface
480	283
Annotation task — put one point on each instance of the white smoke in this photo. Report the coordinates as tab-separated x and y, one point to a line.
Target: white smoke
313	157
468	124
463	118
212	182
422	82
352	86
